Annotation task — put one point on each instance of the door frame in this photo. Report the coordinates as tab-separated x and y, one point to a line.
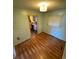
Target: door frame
37	24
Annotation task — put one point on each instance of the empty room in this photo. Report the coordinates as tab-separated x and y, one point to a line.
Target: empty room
39	29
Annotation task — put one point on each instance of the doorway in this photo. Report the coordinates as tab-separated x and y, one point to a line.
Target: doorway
33	24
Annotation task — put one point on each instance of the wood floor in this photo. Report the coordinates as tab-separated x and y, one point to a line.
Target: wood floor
41	46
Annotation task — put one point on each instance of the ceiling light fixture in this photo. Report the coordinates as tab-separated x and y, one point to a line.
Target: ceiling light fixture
43	6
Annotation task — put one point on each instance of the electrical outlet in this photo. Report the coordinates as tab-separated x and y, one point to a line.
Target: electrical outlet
18	38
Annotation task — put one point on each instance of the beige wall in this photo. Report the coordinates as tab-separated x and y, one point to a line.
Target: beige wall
40	25
54	23
21	24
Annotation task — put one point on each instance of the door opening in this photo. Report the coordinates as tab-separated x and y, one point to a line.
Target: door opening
33	25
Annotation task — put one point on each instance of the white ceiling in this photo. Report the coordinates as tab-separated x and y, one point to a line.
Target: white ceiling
33	4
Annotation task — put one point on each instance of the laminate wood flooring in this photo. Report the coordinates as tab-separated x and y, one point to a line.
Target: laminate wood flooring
40	46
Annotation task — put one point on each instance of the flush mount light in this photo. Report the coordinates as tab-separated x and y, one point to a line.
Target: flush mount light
43	6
